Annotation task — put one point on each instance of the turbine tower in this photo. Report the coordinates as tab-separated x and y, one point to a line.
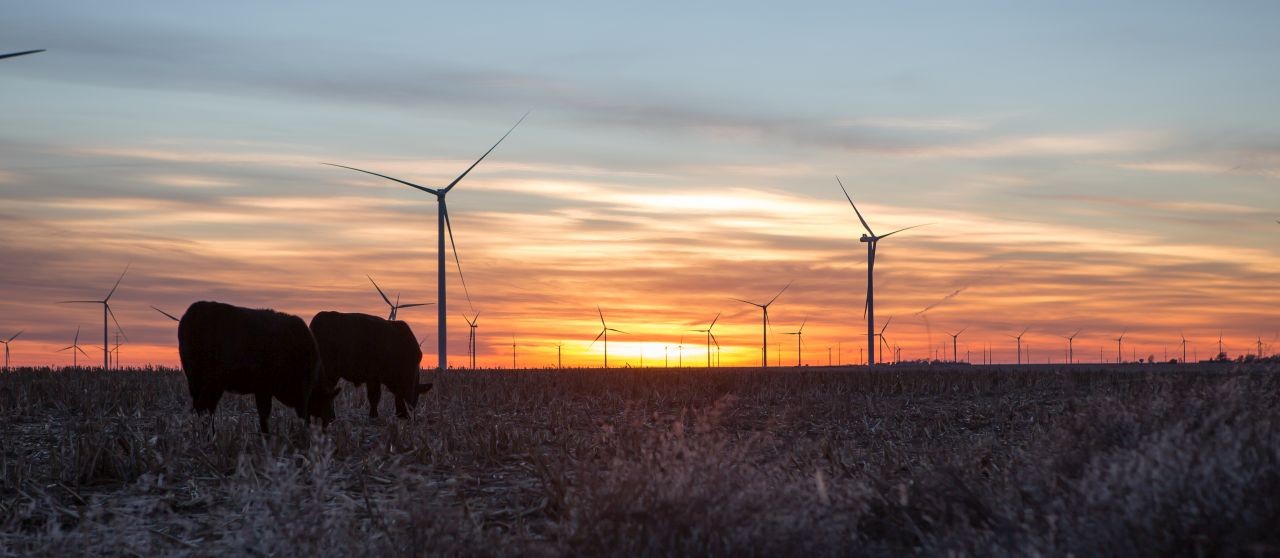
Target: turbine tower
443	225
871	239
106	311
12	54
6	343
395	308
604	332
799	333
954	356
1071	352
764	324
73	347
711	338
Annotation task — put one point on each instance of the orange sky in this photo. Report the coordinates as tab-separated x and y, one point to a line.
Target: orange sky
1078	175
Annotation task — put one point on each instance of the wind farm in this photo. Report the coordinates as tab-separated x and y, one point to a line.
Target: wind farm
1029	175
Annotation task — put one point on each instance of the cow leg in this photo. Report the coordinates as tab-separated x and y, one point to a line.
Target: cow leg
374	389
402	410
264	409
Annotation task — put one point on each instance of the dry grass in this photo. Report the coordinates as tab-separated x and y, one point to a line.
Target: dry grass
1133	460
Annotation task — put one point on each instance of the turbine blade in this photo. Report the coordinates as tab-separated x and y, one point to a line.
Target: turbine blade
380	293
65	348
775	297
715	341
906	229
79	302
166	314
448	226
802	322
81	351
23	53
855	207
747	301
113	288
593	342
601	312
713	322
403	306
15	336
409	184
77	339
113	318
618	331
486	154
886	326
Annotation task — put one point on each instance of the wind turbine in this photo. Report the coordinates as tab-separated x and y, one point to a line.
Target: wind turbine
1119	340
764	324
1019	338
396	306
882	339
1184	346
799	333
559	363
711	338
604	332
471	338
513	351
954	356
73	347
871	239
12	54
1071	352
680	354
6	343
443	225
106	311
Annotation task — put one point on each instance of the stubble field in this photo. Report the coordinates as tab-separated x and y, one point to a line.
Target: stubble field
1130	460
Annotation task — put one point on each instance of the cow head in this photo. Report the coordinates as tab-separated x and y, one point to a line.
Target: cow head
321	404
412	397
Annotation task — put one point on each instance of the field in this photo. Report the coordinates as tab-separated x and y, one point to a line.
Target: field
1131	460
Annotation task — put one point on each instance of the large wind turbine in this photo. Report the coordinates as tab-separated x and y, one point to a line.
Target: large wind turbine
12	54
604	332
1019	338
106	311
73	347
442	225
799	333
6	343
711	338
764	324
871	239
395	307
1071	351
954	356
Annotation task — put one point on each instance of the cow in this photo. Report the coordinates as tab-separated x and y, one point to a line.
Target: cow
243	350
364	349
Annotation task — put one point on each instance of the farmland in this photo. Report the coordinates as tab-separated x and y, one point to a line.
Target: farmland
1145	460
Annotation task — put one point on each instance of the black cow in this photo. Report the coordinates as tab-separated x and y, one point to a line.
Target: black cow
364	349
263	352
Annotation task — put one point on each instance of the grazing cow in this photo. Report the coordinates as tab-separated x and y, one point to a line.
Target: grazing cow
364	349
263	352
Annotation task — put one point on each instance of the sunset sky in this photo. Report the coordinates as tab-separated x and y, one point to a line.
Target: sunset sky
1094	166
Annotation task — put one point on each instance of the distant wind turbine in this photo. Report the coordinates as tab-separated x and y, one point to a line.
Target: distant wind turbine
25	52
396	306
1071	351
871	239
1184	346
106	311
955	357
442	225
711	338
73	347
1119	340
764	324
884	342
559	363
471	337
6	343
604	332
799	333
1019	338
